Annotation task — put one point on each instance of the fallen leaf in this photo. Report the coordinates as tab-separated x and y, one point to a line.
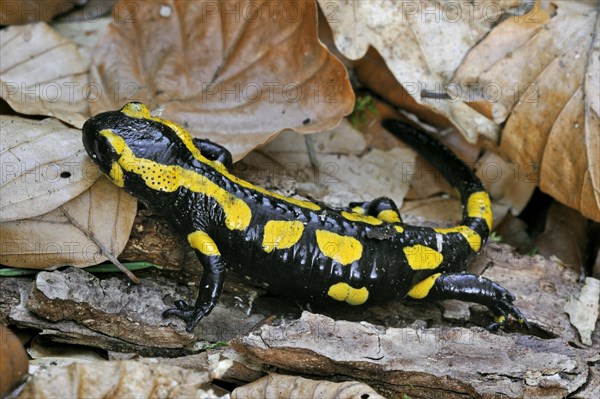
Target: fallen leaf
85	32
42	73
422	42
236	72
27	11
13	361
49	353
278	386
510	188
548	76
345	171
121	379
50	240
43	165
564	236
583	311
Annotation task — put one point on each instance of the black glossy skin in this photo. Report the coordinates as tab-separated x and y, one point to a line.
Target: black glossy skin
303	270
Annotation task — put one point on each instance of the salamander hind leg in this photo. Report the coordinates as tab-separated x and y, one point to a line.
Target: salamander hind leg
382	208
211	284
470	288
385	209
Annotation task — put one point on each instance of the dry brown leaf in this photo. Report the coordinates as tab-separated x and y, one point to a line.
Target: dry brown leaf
549	76
85	32
50	240
42	73
345	173
422	42
507	185
13	361
122	379
280	386
584	311
43	165
237	72
26	11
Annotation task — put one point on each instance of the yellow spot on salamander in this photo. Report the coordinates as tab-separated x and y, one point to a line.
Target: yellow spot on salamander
422	288
352	296
421	257
479	206
116	174
342	249
390	216
471	236
361	218
169	178
137	110
399	229
281	234
202	242
359	210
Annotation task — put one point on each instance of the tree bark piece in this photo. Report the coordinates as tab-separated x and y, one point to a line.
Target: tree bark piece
423	363
114	315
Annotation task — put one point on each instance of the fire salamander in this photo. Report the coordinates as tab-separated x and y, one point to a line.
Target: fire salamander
360	254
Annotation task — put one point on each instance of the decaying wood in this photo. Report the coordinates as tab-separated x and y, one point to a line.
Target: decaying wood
413	351
153	240
542	287
423	363
242	369
115	315
113	306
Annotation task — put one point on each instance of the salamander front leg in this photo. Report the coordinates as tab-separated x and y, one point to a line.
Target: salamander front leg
211	284
470	288
214	151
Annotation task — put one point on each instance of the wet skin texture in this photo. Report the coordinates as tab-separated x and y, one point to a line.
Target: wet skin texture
307	250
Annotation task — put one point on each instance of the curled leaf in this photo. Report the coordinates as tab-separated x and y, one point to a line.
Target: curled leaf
51	240
43	73
279	386
422	43
43	165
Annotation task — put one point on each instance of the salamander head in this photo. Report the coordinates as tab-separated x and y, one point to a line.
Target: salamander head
130	145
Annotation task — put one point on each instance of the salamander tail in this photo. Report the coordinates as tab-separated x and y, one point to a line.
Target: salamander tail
477	208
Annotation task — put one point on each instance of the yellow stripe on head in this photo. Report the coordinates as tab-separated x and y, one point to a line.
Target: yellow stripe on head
168	178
